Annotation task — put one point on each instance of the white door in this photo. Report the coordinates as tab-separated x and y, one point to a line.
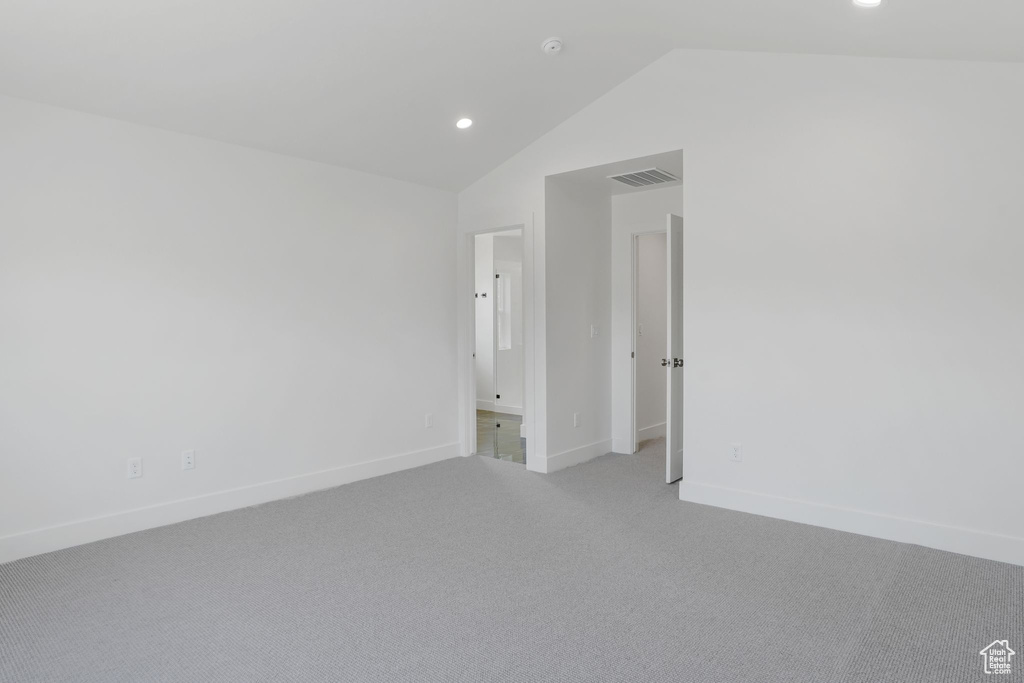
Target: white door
674	363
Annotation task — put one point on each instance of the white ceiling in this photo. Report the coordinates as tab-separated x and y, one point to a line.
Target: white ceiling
377	85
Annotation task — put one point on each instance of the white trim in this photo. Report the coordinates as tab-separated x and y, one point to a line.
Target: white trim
634	314
483	404
576	456
653	432
535	354
508	410
621	447
47	539
466	342
954	539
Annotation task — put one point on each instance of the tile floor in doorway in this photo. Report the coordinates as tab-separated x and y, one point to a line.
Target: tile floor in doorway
508	445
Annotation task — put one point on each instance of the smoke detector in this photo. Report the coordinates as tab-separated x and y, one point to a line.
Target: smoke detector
551	46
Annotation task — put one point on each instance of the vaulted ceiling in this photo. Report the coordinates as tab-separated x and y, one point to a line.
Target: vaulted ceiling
378	85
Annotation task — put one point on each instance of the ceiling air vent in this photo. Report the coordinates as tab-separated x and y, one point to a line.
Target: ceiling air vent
652	176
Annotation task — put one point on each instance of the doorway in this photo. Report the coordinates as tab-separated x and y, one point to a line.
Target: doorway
650	338
657	356
498	360
657	344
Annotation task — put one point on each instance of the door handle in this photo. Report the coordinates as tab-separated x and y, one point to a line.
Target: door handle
677	362
665	362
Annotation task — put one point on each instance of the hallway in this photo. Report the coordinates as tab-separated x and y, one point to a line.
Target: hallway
497	436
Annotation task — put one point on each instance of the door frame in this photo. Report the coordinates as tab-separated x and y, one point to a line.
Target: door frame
474	444
675	415
467	339
634	310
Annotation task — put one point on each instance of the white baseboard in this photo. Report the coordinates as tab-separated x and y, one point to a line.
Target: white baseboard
575	456
508	410
622	446
954	539
47	539
482	404
653	432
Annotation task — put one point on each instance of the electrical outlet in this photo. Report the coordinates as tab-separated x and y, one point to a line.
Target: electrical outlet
737	453
428	420
188	460
134	468
575	419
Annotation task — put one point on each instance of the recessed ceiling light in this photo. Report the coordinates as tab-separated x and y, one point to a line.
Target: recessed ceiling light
464	123
867	3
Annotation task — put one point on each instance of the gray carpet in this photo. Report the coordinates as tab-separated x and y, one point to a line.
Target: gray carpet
477	570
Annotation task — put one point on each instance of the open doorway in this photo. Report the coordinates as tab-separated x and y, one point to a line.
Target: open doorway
591	219
498	335
657	358
650	337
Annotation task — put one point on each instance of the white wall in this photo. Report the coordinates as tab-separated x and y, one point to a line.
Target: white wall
853	290
508	262
290	321
578	296
484	321
652	335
